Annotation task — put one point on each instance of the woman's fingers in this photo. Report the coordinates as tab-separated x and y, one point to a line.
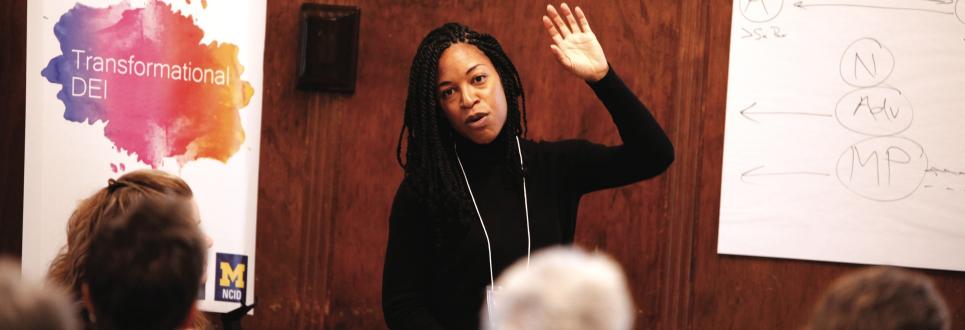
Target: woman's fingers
552	30
570	19
559	55
564	30
584	24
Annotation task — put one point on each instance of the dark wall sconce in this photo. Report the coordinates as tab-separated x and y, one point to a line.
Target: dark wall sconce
328	50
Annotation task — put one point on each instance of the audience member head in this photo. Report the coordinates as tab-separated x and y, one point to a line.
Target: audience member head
883	298
563	288
25	305
144	267
108	202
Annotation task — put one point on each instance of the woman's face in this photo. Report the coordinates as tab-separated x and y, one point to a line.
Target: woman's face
207	239
196	213
470	93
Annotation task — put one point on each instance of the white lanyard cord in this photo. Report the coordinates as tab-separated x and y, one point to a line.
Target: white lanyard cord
489	249
529	241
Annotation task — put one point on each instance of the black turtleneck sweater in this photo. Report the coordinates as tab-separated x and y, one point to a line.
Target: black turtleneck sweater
423	288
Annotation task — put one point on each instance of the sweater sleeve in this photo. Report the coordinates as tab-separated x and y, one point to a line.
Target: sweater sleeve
406	273
646	150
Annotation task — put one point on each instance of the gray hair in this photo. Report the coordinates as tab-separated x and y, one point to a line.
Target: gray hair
563	288
26	305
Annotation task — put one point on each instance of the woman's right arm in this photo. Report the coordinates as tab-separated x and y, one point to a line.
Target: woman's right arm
407	272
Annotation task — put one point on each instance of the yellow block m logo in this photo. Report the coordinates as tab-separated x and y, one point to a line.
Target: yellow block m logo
229	275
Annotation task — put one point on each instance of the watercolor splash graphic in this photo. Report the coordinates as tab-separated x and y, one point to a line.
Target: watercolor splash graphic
145	73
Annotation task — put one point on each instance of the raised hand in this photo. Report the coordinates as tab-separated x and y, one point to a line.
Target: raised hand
574	44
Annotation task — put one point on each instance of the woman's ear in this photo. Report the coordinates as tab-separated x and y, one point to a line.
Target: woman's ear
192	314
85	297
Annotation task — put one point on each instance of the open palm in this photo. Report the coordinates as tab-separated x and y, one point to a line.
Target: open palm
574	44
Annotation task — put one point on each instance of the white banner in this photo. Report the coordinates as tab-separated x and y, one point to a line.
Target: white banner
115	86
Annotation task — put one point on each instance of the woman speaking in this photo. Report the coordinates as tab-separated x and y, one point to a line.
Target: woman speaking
477	195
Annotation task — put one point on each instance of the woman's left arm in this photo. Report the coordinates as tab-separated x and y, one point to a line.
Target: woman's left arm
646	150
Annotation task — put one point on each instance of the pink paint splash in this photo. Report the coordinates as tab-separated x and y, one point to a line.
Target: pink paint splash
151	113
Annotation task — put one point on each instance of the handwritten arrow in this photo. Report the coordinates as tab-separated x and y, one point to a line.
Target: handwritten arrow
754	172
937	7
747	113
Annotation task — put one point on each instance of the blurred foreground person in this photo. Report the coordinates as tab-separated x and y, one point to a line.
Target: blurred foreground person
881	298
143	268
26	305
563	288
110	201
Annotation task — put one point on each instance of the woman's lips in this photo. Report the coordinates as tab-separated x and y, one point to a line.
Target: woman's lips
477	120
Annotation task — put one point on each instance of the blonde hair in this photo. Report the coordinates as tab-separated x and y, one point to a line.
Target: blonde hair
563	288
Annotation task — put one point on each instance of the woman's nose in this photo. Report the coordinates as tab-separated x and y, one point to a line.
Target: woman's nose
469	98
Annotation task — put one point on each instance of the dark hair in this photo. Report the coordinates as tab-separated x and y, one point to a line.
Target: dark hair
430	157
143	268
881	298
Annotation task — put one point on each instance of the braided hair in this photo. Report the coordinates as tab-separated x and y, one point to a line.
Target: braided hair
430	158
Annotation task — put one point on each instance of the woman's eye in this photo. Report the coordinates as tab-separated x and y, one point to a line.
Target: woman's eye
446	93
479	78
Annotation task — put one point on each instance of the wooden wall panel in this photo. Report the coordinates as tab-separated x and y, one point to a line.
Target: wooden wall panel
300	138
13	64
328	171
